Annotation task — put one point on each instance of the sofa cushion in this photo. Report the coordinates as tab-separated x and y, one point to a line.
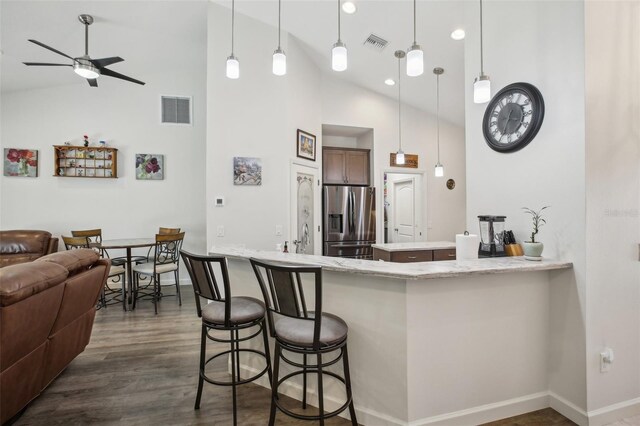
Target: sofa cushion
73	260
17	282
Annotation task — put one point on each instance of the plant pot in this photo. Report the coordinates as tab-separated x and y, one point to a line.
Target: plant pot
532	249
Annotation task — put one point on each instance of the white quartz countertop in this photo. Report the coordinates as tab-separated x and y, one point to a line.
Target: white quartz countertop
429	245
405	271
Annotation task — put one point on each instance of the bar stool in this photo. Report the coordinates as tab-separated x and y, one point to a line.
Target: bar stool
297	330
225	313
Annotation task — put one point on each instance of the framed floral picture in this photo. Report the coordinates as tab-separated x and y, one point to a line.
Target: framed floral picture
20	162
149	166
306	145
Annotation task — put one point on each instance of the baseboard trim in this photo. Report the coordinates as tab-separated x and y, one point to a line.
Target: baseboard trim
568	409
614	412
488	412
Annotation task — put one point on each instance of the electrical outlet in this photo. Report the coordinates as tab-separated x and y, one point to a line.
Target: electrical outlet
606	360
278	230
220	231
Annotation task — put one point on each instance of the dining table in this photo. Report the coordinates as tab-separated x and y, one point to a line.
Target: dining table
127	244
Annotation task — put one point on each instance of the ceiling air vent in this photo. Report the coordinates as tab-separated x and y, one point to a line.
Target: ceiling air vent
376	43
175	110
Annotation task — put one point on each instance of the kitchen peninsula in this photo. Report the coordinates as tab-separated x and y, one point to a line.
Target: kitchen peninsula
414	252
412	327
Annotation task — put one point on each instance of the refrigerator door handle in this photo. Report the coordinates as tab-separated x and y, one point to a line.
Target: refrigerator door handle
352	212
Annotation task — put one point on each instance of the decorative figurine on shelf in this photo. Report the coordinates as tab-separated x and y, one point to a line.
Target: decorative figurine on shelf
103	144
60	171
67	143
86	140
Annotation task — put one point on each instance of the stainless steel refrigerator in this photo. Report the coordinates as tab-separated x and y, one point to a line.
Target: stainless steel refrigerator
349	221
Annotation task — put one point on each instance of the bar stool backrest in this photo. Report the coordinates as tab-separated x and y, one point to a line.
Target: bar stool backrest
202	271
284	294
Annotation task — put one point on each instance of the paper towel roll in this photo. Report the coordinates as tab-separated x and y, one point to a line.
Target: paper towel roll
467	246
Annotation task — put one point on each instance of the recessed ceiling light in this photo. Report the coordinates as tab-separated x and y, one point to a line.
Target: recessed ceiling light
458	34
390	82
349	7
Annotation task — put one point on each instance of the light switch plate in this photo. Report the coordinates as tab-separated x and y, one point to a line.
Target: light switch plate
220	231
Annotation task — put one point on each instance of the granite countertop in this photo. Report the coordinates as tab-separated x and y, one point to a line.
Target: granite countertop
403	271
429	245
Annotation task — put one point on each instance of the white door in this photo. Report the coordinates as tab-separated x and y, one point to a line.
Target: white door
305	210
403	225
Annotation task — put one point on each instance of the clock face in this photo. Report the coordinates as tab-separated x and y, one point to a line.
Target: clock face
513	117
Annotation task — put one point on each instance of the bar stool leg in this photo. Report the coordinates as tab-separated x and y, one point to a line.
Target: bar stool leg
320	391
304	381
347	382
274	385
266	350
203	354
233	373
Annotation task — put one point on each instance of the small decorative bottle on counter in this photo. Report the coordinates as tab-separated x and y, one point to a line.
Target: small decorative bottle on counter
286	247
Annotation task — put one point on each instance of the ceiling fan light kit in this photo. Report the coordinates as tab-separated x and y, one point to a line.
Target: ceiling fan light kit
84	66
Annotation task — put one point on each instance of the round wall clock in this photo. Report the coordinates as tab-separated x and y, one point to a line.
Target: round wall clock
513	117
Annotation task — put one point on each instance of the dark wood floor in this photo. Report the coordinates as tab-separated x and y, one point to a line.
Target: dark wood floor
141	369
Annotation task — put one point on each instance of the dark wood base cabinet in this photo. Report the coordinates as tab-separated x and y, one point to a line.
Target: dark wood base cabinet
414	255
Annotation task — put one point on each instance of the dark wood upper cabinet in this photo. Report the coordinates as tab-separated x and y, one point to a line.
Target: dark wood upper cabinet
345	166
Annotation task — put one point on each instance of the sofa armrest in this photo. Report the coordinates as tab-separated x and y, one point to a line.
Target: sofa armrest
53	245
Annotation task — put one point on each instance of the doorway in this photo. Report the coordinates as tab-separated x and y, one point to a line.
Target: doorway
403	203
305	210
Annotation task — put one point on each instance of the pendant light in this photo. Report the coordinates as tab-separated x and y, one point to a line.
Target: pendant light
482	84
439	170
279	58
339	51
415	56
399	154
233	65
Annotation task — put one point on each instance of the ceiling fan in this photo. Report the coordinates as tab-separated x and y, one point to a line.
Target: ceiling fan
84	66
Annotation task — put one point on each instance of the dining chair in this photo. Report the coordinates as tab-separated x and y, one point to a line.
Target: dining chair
161	231
166	259
115	271
94	238
301	331
223	313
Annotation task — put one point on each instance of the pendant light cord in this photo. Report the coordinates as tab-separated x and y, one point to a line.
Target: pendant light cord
339	21
438	113
399	107
481	43
279	16
414	22
233	22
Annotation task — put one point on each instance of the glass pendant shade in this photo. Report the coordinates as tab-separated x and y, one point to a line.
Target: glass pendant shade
339	57
482	89
400	158
279	62
415	61
439	170
233	67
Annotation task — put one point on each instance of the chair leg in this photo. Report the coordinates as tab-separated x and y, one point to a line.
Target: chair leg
320	391
233	373
124	293
274	384
156	293
134	290
203	354
177	274
347	382
304	381
267	354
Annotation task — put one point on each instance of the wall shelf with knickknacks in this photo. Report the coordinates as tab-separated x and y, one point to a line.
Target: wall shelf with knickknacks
85	162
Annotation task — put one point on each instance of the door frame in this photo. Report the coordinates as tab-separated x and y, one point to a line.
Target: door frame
416	208
314	169
422	218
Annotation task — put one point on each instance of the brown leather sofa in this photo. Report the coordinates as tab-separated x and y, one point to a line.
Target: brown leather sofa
47	308
25	246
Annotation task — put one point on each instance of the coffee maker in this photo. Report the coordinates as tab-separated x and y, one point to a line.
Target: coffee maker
491	236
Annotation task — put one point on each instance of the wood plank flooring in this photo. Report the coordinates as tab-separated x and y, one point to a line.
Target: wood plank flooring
141	369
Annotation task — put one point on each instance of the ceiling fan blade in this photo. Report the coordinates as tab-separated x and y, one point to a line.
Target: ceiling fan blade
51	49
93	82
45	64
108	72
103	62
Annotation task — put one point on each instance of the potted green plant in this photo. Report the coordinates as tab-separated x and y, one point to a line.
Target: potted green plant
533	249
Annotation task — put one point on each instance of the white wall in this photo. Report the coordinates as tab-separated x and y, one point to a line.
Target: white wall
541	43
255	116
349	105
127	117
612	41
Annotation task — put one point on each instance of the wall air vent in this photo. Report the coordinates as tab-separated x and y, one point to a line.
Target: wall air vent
376	43
175	110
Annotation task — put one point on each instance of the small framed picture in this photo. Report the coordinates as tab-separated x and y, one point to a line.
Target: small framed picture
21	162
306	145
